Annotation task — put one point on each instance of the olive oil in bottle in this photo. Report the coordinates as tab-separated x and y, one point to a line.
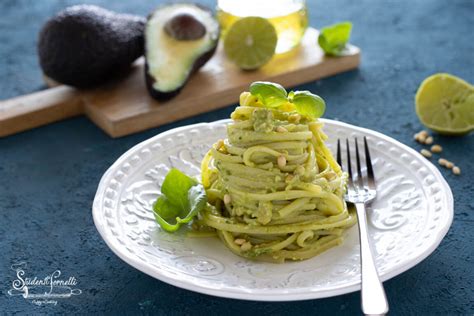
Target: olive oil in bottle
289	17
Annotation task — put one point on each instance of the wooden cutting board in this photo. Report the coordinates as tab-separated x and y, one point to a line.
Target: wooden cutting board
124	107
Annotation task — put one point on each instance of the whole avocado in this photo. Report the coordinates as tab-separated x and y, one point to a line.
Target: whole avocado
86	45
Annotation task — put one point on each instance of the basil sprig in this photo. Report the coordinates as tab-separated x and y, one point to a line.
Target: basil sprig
333	38
273	95
308	104
182	197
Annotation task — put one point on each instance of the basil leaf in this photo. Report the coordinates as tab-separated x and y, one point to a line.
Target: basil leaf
308	104
333	38
270	94
164	213
197	200
290	95
182	198
176	186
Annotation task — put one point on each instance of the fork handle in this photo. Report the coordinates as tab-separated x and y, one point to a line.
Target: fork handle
374	301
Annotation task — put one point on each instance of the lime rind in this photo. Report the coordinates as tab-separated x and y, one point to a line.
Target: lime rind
445	104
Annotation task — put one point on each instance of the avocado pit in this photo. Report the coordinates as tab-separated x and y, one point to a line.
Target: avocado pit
185	27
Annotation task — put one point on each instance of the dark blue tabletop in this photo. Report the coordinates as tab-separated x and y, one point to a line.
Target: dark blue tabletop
48	176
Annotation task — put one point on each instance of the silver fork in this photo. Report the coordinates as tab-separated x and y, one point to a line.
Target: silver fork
361	191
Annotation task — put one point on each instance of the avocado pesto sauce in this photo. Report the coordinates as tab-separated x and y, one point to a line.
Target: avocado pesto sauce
274	190
263	120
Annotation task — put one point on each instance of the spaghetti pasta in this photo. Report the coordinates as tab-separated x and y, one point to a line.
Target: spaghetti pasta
274	190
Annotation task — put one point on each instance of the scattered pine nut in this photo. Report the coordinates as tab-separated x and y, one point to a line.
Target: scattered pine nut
436	148
421	136
220	146
423	133
300	170
445	163
227	199
456	170
281	129
426	153
429	140
295	118
421	139
330	176
246	246
281	161
239	241
449	165
219	143
442	162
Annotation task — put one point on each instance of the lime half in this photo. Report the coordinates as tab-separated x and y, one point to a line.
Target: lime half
250	42
445	104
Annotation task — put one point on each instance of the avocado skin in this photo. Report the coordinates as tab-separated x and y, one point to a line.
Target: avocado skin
86	45
201	61
162	96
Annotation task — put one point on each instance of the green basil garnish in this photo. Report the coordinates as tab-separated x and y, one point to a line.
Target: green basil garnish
182	197
271	94
308	104
333	38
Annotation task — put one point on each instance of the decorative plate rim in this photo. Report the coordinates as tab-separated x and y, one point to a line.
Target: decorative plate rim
248	295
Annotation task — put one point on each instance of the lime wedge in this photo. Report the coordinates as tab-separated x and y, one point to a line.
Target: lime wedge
445	104
250	42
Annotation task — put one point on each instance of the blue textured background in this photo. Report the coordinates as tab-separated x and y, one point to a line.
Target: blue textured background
48	176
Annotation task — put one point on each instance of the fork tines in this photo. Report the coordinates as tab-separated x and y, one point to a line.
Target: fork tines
358	178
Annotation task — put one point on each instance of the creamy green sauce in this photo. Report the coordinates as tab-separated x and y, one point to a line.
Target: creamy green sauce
263	121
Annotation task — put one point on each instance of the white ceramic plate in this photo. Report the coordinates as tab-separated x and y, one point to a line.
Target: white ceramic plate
412	213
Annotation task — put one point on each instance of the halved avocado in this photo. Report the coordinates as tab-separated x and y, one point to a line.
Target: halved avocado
179	39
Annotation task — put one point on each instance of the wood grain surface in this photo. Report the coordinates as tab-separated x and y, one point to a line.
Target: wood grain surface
125	107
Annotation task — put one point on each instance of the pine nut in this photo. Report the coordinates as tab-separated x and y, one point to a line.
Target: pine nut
423	133
227	199
281	129
436	148
442	162
426	153
449	165
220	146
246	246
419	137
239	241
294	118
429	140
281	161
330	176
300	170
456	170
